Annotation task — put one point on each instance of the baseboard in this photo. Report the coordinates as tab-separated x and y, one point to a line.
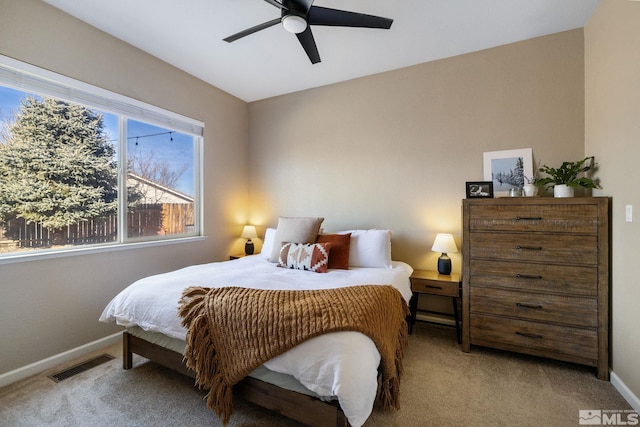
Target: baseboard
42	365
628	395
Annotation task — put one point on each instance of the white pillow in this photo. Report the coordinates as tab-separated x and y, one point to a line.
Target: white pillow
267	243
369	248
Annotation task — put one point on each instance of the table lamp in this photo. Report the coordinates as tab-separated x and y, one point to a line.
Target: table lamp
249	232
444	243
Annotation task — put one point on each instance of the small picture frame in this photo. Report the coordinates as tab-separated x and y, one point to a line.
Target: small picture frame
479	189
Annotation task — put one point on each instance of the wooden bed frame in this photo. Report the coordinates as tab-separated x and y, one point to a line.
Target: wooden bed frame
297	406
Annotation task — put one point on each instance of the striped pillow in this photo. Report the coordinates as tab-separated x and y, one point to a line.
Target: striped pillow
305	256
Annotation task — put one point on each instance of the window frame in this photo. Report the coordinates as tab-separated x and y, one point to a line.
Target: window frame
31	79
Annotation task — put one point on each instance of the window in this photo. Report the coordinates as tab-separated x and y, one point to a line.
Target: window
81	166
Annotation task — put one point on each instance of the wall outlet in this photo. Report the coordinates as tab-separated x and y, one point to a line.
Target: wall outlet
628	212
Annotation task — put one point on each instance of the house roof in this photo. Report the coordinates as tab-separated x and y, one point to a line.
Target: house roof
154	192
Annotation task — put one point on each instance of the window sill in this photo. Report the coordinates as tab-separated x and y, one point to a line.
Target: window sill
86	250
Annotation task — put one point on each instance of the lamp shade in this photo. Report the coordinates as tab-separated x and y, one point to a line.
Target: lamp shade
249	232
444	243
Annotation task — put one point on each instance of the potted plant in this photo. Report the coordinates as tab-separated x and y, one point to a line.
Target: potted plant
530	188
567	177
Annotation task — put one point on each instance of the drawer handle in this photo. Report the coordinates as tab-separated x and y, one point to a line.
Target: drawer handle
536	307
529	248
527	276
527	335
433	287
528	218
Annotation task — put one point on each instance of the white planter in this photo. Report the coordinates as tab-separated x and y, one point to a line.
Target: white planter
530	190
562	190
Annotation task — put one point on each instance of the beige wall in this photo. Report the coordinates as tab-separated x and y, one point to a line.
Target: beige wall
50	306
394	150
612	114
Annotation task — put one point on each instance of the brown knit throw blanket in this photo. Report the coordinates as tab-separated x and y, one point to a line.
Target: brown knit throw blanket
231	331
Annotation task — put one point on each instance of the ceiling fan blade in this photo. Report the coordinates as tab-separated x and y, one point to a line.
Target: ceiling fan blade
276	4
342	18
252	30
309	44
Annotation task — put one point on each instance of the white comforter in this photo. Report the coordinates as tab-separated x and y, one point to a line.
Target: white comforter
340	364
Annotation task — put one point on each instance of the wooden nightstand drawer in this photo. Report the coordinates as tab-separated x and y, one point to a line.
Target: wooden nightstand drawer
435	287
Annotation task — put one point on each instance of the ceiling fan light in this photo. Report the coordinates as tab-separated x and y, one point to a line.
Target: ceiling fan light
294	24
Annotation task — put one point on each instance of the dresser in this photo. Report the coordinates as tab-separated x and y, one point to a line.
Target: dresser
536	277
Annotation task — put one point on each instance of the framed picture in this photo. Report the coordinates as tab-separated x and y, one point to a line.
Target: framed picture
507	169
479	189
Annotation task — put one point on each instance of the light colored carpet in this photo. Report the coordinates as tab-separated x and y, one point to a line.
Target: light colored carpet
442	386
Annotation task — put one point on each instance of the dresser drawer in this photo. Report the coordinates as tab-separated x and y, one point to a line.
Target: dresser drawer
535	338
542	217
552	248
565	279
575	311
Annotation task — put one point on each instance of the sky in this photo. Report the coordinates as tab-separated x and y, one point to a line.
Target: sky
142	139
175	148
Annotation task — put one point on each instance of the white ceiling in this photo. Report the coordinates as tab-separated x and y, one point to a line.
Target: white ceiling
189	33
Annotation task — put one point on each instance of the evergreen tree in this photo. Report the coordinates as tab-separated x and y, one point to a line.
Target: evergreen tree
518	178
57	165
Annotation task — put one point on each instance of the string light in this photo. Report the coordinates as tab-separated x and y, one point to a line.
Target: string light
170	133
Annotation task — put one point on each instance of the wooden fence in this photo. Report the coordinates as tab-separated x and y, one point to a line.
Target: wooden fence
143	220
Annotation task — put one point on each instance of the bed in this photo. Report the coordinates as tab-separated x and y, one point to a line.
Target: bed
331	379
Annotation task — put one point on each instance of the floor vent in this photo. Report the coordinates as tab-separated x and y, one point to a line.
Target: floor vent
85	366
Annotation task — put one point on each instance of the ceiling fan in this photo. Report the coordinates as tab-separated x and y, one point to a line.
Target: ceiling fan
297	16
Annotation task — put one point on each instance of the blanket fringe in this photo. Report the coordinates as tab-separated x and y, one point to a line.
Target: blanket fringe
389	388
200	355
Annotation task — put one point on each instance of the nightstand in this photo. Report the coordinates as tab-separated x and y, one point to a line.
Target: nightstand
432	283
